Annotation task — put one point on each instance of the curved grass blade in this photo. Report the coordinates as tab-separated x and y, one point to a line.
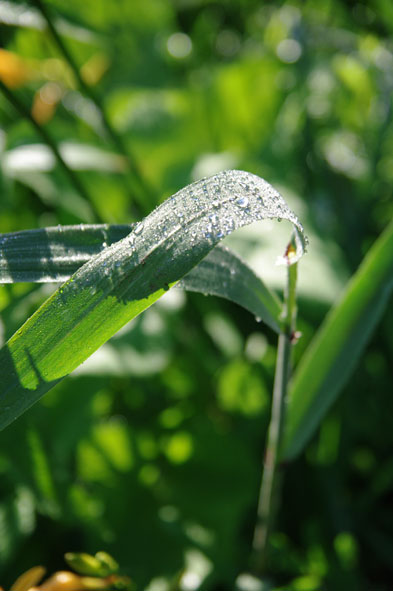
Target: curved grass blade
334	352
54	254
126	278
222	273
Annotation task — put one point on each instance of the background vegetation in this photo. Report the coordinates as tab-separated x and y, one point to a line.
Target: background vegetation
152	450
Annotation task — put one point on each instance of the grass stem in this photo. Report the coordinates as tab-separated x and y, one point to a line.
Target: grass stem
266	503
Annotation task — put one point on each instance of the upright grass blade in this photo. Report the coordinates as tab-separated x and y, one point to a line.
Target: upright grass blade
126	278
54	254
334	352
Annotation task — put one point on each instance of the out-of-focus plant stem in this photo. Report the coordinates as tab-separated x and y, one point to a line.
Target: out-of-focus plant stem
143	192
267	496
50	142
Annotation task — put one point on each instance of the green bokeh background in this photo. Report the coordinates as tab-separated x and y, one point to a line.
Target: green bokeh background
152	450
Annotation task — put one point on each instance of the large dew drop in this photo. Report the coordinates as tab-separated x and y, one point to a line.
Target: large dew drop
242	202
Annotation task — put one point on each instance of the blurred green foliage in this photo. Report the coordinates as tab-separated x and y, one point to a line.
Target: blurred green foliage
155	456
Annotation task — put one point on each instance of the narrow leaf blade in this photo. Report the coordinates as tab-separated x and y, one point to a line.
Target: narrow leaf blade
53	254
222	273
127	277
334	352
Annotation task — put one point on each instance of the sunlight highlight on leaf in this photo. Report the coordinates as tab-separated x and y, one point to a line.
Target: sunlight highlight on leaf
127	277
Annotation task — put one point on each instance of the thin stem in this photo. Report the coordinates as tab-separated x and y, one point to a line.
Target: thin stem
114	136
24	112
266	504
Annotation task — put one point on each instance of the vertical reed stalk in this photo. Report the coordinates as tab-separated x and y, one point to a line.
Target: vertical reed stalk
266	504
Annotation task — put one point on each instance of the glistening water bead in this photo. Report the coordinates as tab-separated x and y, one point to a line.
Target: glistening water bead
139	228
242	202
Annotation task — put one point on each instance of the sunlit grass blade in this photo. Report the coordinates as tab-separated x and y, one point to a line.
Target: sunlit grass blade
126	278
53	254
334	352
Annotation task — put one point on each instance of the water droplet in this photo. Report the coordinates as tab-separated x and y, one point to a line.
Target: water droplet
208	231
258	319
215	203
242	202
104	244
279	219
229	225
139	228
214	219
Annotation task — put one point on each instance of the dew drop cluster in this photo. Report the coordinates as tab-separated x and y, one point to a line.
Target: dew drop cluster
184	228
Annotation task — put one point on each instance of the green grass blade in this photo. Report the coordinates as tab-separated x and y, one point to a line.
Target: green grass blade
334	352
126	278
222	273
54	254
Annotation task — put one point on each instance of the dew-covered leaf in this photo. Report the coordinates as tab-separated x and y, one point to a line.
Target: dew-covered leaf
222	273
54	254
126	278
